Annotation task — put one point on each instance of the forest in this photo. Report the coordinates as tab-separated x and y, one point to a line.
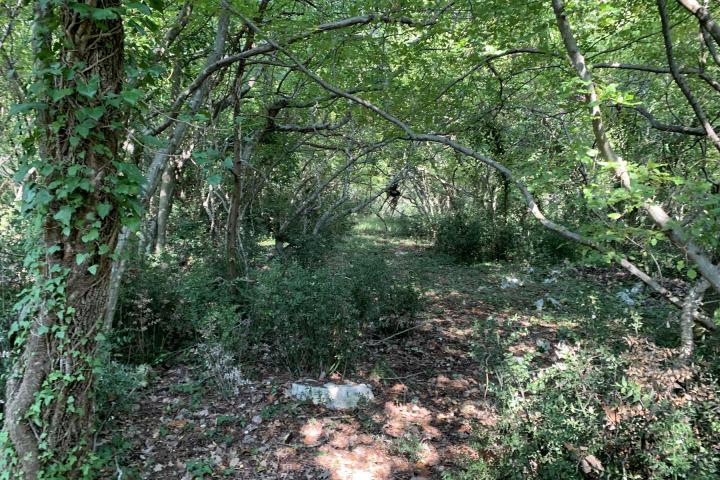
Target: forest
359	239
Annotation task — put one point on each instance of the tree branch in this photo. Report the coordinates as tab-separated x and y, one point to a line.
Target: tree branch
703	15
670	227
533	207
269	47
661	70
681	81
654	123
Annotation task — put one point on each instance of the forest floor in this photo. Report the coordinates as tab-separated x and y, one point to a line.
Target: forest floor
433	387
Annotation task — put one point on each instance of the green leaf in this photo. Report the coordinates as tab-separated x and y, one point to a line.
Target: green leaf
24	107
692	274
88	89
64	215
96	113
81	257
104	14
57	94
104	209
157	4
215	179
131	96
92	269
93	234
614	215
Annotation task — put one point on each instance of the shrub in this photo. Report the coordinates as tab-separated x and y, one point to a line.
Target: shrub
471	238
118	386
386	300
306	317
549	246
407	226
314	318
169	302
590	408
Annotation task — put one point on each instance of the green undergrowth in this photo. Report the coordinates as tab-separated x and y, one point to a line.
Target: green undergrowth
573	367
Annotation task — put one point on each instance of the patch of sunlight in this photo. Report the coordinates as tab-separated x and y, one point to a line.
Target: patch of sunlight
361	463
267	242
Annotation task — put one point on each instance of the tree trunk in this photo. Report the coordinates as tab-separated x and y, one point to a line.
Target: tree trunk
231	232
49	409
161	157
167	191
692	303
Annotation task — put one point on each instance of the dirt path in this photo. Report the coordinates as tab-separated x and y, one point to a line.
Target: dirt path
431	397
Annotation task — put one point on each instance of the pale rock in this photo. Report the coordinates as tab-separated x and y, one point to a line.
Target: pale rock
511	281
333	396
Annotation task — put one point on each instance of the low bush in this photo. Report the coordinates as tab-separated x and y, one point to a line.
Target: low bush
314	319
118	386
386	300
472	238
407	226
168	304
305	316
594	414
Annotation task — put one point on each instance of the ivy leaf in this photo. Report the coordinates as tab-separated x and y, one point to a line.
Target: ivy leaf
24	107
88	89
84	128
96	112
81	257
92	269
93	234
215	179
692	274
103	209
57	94
104	14
64	215
131	96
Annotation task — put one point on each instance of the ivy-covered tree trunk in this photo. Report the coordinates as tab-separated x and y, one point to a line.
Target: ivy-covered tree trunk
81	186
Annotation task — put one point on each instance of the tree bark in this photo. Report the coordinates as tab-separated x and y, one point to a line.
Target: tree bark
692	303
49	409
167	192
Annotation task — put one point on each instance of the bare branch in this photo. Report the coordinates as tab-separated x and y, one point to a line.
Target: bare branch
681	81
703	15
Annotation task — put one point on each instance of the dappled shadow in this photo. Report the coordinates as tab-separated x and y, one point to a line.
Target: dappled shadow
433	391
